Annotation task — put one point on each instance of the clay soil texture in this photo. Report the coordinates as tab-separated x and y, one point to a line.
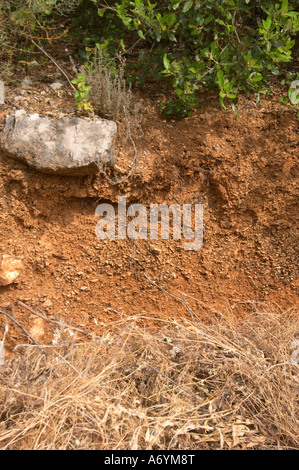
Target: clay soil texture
244	170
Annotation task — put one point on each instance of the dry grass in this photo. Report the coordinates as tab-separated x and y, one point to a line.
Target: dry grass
110	96
185	386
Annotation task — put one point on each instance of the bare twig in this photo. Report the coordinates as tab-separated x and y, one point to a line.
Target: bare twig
291	144
20	326
54	62
162	289
182	300
190	310
56	322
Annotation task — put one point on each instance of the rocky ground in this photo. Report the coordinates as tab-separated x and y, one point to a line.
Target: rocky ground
244	170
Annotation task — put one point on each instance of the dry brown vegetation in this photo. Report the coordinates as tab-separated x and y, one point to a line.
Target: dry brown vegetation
111	97
229	384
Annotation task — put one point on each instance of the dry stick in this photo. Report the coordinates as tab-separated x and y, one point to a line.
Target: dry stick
52	327
190	310
183	300
54	62
295	142
6	329
21	327
161	288
50	346
55	322
61	329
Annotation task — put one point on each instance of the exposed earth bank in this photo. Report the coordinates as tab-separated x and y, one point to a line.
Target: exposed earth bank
244	170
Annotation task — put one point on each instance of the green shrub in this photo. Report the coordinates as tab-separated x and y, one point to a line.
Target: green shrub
233	46
230	45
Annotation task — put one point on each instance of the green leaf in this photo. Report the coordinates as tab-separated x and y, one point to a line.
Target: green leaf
257	78
284	7
220	78
235	110
294	96
140	34
268	23
187	6
227	86
166	61
221	102
101	11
